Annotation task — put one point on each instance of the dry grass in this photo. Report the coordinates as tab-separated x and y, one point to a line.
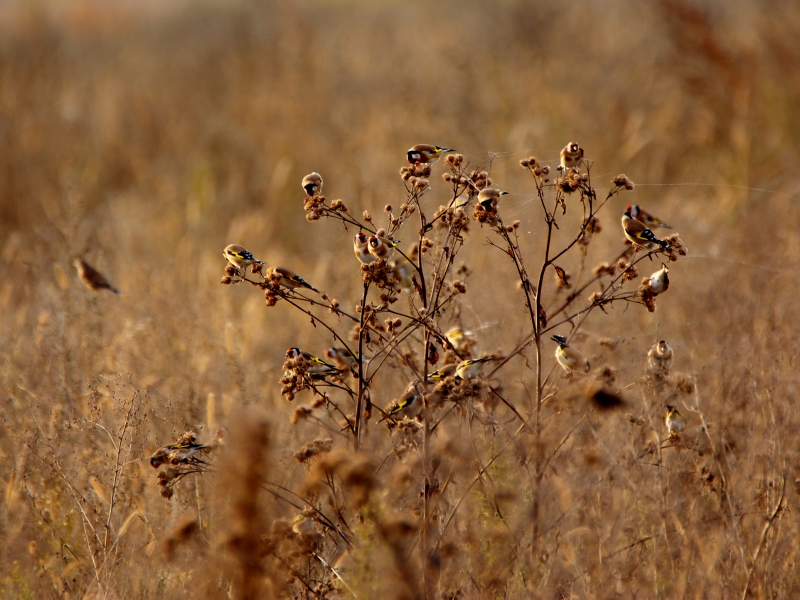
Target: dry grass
146	140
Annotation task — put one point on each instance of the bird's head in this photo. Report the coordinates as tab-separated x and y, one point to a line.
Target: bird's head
560	340
414	156
663	346
374	241
573	147
293	353
361	238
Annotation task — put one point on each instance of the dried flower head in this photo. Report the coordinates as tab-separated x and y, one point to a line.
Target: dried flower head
630	273
300	413
313	450
676	247
647	295
622	181
380	274
482	215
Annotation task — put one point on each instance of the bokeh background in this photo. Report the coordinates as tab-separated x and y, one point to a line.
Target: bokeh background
147	136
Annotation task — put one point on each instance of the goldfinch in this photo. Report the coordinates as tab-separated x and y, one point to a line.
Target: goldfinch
638	233
361	248
381	247
239	257
316	365
660	357
571	156
181	453
468	369
638	213
425	154
289	280
659	280
445	371
458	337
302	525
570	359
343	358
312	184
488	197
674	420
408	405
92	278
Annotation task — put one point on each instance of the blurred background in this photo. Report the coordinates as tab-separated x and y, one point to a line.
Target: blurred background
146	136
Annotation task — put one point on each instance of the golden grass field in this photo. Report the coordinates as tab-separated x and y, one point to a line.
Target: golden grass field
146	138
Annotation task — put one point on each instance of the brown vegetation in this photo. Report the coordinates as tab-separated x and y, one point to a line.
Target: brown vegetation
161	444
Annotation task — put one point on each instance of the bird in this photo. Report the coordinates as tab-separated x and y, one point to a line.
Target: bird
92	278
312	184
381	247
288	279
638	213
304	526
180	453
240	257
488	197
343	358
675	420
660	356
638	233
361	248
408	405
445	371
571	156
426	154
458	337
570	359
470	368
316	366
659	281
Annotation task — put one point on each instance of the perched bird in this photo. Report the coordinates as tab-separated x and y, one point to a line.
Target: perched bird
304	526
181	453
569	358
361	248
316	365
343	358
381	247
638	233
239	257
467	369
92	278
289	280
674	420
488	197
426	154
660	357
408	405
461	200
571	156
458	337
638	213
312	184
659	280
445	371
